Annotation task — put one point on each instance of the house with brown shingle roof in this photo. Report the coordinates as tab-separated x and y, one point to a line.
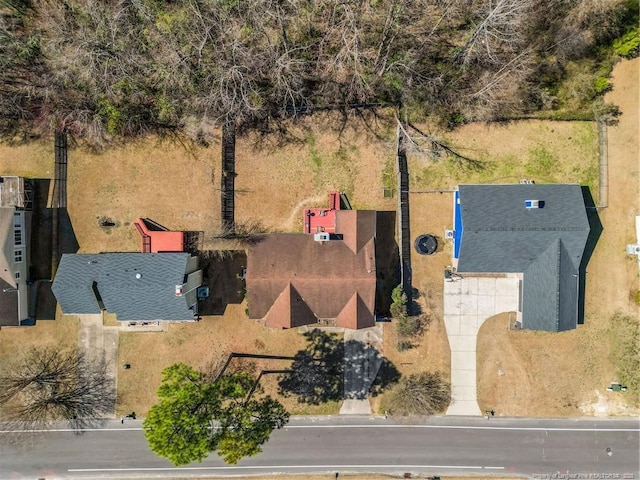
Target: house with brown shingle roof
296	279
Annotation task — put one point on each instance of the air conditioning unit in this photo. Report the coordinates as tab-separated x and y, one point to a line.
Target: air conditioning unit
321	237
633	249
448	234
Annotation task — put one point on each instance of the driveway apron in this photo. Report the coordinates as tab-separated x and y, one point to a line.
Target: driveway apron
468	302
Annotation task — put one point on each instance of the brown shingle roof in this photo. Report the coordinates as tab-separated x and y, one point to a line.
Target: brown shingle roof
293	280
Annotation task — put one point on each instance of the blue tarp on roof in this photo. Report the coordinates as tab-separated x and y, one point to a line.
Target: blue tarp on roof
457	225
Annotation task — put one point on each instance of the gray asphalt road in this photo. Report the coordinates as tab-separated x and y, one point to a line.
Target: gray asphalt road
539	448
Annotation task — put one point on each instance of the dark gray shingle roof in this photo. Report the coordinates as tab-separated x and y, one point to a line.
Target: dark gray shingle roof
134	286
545	244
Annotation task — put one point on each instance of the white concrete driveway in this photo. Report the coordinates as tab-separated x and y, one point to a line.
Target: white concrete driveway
99	343
468	302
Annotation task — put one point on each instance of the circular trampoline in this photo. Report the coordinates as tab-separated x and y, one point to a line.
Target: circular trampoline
426	244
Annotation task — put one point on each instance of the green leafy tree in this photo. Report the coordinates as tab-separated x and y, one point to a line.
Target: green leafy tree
197	415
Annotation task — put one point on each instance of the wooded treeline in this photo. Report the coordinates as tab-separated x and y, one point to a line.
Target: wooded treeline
124	67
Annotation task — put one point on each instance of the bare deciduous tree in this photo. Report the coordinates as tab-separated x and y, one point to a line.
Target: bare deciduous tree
49	385
122	68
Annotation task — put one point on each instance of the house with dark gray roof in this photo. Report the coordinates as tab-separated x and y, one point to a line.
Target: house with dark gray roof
537	231
134	286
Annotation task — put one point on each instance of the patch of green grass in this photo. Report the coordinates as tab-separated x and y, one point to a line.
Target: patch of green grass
389	178
627	46
602	85
541	163
313	151
327	408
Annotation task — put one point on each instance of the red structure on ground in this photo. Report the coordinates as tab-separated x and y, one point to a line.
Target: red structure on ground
317	220
156	238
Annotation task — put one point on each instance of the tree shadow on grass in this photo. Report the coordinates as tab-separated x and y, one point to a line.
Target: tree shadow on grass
319	372
366	371
316	374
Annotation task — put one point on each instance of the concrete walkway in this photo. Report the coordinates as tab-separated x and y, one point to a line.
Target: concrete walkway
362	360
468	302
99	343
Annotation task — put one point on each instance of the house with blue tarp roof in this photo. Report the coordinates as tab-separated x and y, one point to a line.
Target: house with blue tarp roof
537	231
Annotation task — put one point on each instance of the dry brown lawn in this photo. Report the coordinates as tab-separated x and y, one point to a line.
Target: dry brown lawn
196	344
274	184
175	184
46	333
33	159
543	151
566	374
178	186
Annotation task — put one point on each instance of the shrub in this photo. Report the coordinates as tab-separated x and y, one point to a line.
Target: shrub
399	303
627	45
422	393
602	85
410	326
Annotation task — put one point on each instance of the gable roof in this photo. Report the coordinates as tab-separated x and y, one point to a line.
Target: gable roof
500	235
289	310
293	280
6	246
134	286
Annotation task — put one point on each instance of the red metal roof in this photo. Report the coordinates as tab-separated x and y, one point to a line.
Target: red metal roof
318	220
156	240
